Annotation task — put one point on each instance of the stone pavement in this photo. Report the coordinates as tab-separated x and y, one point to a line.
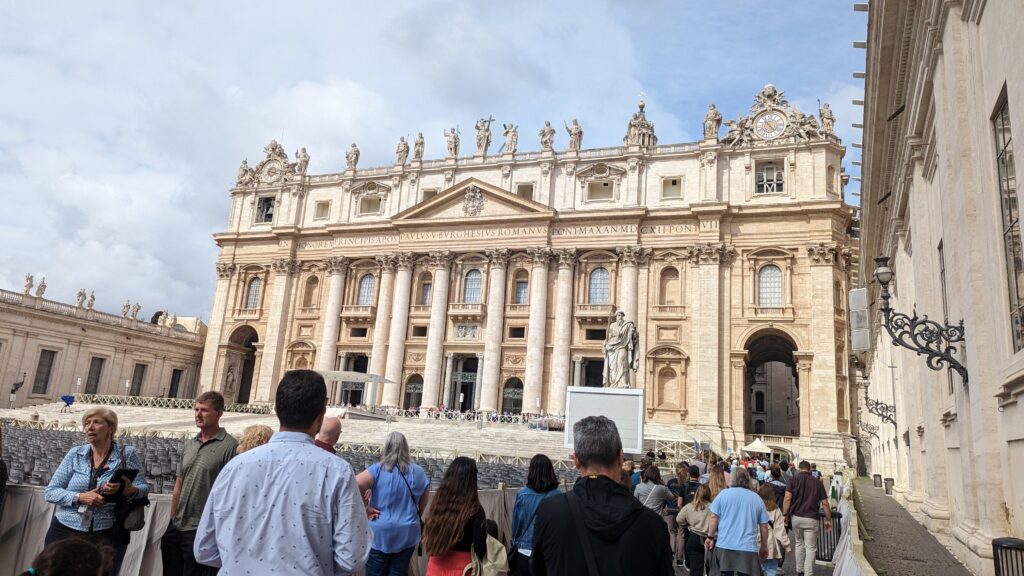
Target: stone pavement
895	543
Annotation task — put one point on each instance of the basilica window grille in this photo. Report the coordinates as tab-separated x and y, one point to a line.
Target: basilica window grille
172	389
252	294
44	370
770	179
92	382
512	397
413	392
759	402
522	295
138	377
471	289
769	287
426	291
365	295
597	292
265	210
1011	222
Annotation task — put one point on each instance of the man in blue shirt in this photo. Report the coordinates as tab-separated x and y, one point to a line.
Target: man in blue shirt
737	515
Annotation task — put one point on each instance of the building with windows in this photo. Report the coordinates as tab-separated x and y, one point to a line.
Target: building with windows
943	101
486	282
49	349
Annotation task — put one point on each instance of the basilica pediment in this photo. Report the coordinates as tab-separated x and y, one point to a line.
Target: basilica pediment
473	199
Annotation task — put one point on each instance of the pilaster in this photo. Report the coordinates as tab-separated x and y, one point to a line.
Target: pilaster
533	384
399	325
441	262
496	288
337	270
378	353
284	270
207	372
562	340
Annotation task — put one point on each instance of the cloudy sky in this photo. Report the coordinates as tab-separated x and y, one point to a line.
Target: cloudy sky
122	123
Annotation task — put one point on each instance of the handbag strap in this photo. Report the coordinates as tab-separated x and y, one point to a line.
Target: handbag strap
581	531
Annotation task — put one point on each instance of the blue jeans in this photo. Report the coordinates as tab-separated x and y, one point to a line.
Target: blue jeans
770	567
384	564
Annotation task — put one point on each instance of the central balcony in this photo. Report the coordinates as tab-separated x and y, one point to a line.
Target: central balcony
359	314
593	313
462	312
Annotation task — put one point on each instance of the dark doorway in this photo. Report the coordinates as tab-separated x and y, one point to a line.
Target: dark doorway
352	392
772	400
512	397
593	372
245	337
464	385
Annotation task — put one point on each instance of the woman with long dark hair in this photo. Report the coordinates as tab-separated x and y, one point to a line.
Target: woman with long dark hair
541	483
455	521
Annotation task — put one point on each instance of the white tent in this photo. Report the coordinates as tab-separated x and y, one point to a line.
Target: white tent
757	447
349	376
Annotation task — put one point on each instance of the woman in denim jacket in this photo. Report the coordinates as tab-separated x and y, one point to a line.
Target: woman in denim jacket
541	483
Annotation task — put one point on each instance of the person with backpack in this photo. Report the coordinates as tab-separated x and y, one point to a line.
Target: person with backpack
399	493
599	528
777	484
541	483
454	528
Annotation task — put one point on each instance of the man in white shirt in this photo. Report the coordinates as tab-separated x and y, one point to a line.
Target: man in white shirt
287	507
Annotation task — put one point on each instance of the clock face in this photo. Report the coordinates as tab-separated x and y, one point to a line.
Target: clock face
269	172
770	125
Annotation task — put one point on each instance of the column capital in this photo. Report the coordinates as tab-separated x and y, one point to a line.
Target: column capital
386	262
566	257
336	264
449	355
541	256
287	266
711	253
804	360
404	260
225	269
440	259
577	359
498	257
823	253
479	355
633	255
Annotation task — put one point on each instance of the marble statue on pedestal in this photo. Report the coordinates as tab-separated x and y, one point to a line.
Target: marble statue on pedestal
511	139
125	308
547	136
135	310
41	289
417	148
483	135
352	157
28	284
92	300
301	161
575	135
80	300
712	122
452	138
828	120
402	151
621	352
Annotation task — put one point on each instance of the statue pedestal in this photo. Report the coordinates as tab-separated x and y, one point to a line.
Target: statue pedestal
624	406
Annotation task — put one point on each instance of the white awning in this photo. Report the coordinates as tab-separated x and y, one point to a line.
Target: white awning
349	376
757	447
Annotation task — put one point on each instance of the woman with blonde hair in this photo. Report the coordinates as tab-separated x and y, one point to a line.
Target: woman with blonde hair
87	492
455	521
253	436
694	516
778	538
716	480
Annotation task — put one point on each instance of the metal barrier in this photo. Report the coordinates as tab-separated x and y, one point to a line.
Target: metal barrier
158	402
1008	556
827	541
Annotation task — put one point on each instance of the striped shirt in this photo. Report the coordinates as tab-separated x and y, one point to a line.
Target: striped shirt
72	478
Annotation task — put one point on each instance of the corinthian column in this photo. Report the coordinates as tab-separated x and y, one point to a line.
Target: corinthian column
560	359
495	324
284	269
440	261
399	324
213	335
378	352
629	258
535	338
337	269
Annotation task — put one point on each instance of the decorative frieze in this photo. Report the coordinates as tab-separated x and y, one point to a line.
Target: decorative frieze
473	201
708	159
823	253
336	264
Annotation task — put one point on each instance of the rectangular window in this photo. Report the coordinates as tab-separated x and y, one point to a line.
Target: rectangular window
522	292
600	191
265	210
92	382
358	333
369	205
429	193
517	332
596	334
419	331
172	390
138	375
43	370
672	188
322	211
426	291
525	191
769	178
1011	222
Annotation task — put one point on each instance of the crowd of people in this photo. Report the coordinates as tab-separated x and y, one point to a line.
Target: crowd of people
284	502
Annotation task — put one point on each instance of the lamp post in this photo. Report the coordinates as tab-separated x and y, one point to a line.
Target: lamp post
923	336
887	412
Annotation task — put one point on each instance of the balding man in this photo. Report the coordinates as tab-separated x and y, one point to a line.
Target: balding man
328	435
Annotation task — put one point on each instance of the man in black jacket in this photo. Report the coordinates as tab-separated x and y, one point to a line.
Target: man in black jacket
624	536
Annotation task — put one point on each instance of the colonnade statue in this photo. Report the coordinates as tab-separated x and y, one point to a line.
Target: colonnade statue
621	352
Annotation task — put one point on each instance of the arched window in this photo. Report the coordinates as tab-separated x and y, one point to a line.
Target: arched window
413	392
426	288
309	297
669	287
597	292
759	402
472	288
365	295
252	294
769	287
512	396
522	295
759	427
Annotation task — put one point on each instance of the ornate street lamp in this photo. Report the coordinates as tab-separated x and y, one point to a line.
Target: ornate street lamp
870	429
919	334
887	412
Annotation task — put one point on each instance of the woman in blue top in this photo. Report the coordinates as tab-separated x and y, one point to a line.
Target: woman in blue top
83	490
399	492
541	483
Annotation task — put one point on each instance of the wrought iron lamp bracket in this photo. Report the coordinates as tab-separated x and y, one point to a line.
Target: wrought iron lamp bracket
887	412
870	429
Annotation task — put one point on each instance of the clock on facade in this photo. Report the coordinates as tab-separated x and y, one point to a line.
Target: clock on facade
769	125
